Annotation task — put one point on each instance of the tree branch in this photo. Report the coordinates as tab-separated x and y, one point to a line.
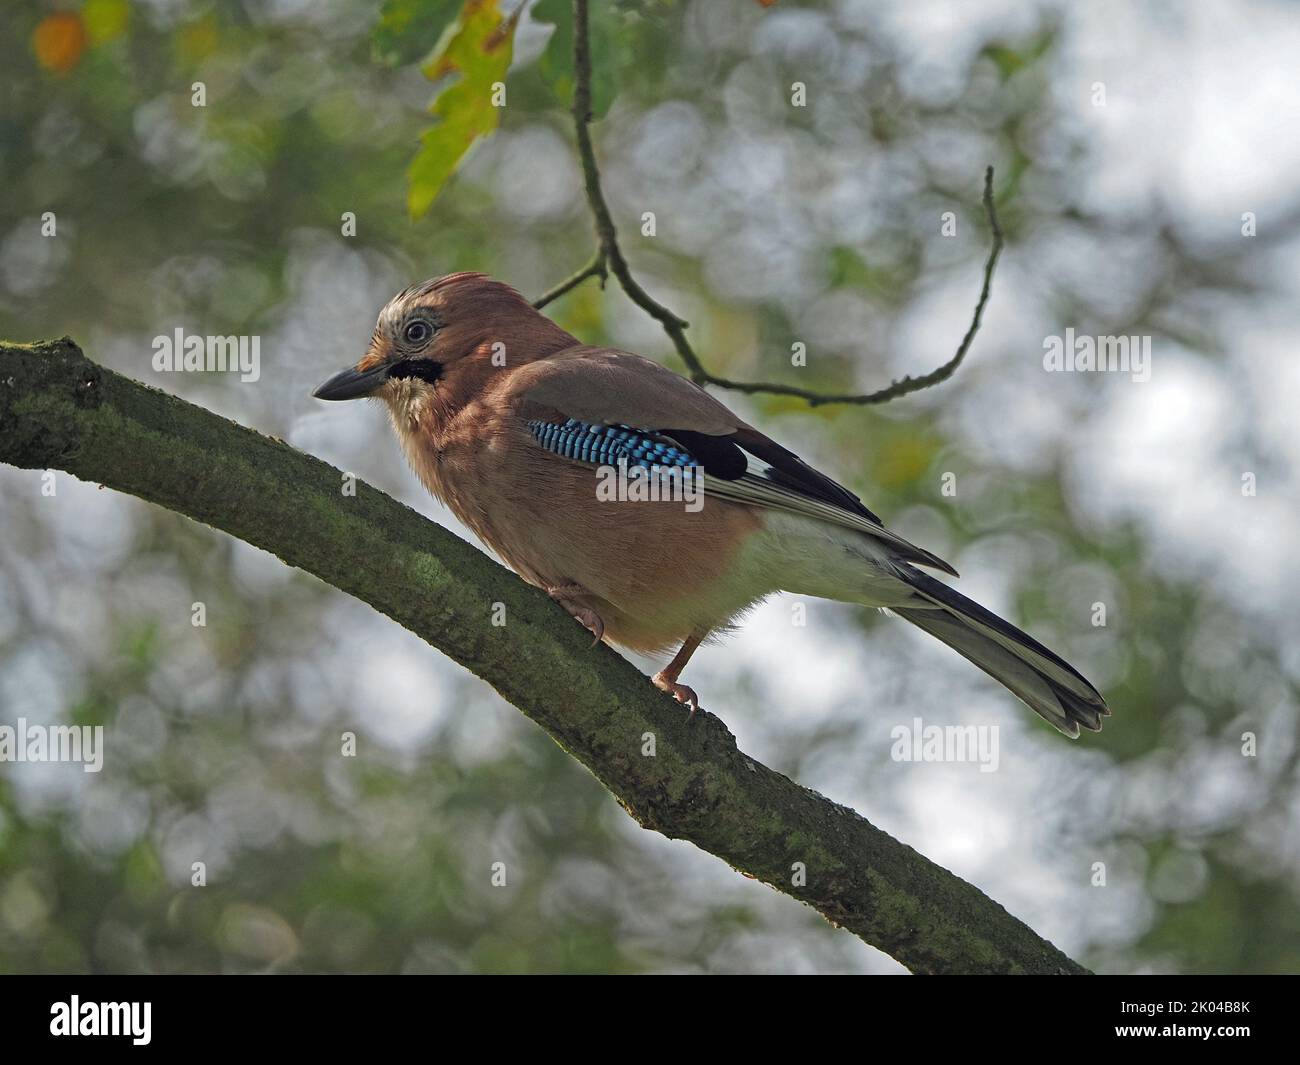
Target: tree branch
60	410
595	268
609	252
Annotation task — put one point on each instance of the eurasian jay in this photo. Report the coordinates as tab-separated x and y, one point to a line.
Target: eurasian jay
510	420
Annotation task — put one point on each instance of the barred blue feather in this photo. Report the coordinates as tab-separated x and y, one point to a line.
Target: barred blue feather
604	445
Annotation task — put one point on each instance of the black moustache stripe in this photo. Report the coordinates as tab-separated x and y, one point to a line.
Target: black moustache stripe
424	369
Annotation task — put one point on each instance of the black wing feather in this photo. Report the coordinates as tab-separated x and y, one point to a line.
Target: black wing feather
789	469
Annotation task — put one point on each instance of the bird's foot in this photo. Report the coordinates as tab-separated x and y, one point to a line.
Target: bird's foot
680	692
585	616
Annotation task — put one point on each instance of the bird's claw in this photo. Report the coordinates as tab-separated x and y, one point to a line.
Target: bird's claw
680	692
590	621
585	616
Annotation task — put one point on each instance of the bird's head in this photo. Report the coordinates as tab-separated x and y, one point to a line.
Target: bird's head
445	337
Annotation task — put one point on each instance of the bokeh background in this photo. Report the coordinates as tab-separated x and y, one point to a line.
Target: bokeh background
774	225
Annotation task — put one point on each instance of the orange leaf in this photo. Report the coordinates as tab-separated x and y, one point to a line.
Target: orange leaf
59	41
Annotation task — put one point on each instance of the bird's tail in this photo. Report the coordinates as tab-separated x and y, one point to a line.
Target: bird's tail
1042	680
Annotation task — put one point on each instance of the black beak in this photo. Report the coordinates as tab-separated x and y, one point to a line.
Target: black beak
352	383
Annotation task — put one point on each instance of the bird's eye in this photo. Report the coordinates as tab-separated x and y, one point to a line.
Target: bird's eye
418	331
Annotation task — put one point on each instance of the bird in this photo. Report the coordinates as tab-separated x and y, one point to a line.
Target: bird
515	425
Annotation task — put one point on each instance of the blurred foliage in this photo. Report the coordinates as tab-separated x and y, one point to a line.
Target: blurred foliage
407	30
625	37
776	224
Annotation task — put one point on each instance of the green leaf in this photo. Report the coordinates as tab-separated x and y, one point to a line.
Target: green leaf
407	29
1011	60
475	53
1007	60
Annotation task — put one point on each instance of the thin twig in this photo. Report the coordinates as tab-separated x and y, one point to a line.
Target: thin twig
610	255
595	268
